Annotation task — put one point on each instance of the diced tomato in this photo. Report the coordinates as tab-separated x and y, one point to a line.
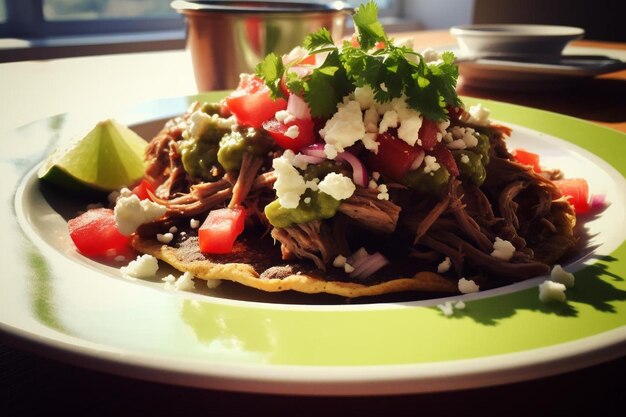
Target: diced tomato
141	189
278	131
220	230
354	41
252	104
576	190
95	235
527	158
454	112
428	134
394	157
445	158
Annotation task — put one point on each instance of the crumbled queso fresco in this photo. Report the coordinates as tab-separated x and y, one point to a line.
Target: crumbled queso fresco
503	249
144	266
131	212
468	286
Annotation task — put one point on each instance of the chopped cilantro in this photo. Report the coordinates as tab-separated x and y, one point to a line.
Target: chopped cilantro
391	71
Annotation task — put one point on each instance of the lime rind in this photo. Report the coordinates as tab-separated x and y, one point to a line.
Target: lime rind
108	157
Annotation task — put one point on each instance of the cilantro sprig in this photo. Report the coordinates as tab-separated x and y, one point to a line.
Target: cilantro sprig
391	71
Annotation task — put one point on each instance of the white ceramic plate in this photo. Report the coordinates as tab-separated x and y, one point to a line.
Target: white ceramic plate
61	304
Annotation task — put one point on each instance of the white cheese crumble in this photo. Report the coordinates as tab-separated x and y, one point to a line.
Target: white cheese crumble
339	261
503	249
182	283
131	212
559	275
345	127
465	159
213	283
370	142
194	224
468	286
348	268
370	120
430	55
372	185
551	291
446	308
144	266
338	186
284	116
430	164
383	192
364	96
165	237
444	266
330	151
289	183
479	115
390	119
307	200
292	132
115	195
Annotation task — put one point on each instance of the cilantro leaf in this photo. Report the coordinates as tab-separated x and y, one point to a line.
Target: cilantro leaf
317	40
271	70
326	86
369	29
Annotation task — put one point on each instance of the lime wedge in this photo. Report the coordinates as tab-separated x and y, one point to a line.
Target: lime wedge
109	157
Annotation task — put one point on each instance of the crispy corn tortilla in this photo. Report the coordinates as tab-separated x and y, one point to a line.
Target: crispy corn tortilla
254	270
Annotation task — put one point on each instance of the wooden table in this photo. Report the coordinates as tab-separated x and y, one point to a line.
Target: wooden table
100	84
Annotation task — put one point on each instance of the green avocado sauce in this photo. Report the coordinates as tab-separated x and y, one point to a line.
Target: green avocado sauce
428	183
199	153
235	144
321	205
474	170
213	142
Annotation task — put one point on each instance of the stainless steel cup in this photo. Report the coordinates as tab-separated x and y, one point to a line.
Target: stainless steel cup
226	38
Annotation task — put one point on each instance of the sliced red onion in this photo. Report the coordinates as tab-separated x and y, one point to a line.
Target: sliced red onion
597	201
418	161
316	150
369	265
359	173
298	107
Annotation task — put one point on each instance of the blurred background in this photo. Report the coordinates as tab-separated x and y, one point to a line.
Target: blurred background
35	29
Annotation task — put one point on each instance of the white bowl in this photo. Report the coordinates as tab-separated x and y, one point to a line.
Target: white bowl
513	39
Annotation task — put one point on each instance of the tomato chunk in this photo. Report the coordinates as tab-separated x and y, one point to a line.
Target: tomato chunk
527	158
220	230
278	131
252	104
576	190
141	189
428	134
445	158
394	157
95	235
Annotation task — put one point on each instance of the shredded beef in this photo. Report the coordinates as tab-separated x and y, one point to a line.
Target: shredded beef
310	240
364	208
